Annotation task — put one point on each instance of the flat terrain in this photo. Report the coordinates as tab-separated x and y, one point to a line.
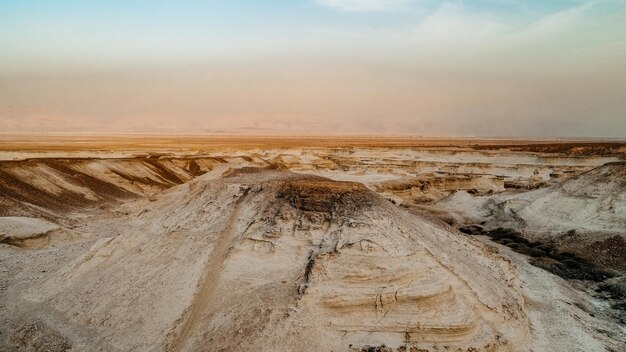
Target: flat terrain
47	143
195	243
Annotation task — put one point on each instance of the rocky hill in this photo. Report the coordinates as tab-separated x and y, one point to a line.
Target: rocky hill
265	259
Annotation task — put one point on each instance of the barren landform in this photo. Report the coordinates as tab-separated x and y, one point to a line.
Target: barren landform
353	244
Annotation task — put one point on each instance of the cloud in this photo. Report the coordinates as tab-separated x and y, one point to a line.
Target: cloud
364	5
454	25
459	25
556	22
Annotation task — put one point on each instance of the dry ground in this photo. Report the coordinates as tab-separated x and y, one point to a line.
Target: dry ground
195	243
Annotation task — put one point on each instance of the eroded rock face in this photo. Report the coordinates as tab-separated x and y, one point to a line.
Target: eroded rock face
585	214
272	260
25	232
52	187
429	188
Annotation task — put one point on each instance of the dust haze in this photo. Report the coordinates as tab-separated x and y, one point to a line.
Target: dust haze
327	96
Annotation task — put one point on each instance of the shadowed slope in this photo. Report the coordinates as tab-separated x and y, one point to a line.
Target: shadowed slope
51	187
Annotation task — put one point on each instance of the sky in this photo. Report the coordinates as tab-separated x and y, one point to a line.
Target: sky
494	68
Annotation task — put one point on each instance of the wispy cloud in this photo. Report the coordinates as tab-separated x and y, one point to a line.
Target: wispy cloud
364	5
457	33
557	22
455	25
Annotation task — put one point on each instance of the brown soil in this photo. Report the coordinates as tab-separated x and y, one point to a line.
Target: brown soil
569	148
326	196
37	337
234	172
610	253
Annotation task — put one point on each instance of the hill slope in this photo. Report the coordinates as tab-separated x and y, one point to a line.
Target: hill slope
52	187
271	260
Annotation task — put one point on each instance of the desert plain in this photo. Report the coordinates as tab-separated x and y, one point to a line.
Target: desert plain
300	243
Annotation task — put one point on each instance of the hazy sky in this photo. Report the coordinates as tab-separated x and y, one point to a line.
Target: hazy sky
427	67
